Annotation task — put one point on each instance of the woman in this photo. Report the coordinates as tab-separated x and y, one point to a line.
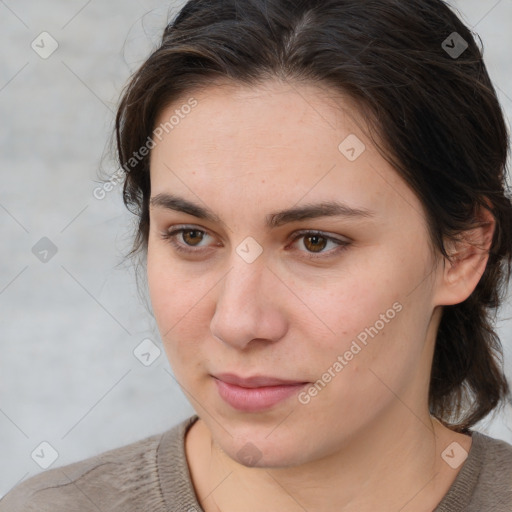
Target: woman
320	192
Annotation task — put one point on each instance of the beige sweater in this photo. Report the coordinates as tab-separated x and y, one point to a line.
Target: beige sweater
152	475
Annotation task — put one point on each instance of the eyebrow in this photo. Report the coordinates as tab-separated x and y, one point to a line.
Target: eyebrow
273	220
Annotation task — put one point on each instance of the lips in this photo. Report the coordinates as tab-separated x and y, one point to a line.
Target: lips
258	381
255	394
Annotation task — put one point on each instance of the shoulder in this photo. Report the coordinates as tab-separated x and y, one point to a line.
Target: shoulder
485	480
118	479
495	479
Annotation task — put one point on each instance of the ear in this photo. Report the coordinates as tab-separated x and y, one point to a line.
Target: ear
468	259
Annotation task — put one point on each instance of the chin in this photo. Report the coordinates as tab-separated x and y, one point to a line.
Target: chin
260	446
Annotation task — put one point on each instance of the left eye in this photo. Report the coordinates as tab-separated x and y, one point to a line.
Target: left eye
314	242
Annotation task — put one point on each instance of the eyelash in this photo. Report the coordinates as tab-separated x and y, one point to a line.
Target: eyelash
170	236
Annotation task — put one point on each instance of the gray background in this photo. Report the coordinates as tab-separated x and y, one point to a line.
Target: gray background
69	326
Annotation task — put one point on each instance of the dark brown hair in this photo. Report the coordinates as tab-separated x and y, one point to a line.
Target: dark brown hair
425	95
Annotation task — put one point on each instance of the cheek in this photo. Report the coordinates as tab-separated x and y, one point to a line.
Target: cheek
175	298
373	358
178	322
374	321
353	303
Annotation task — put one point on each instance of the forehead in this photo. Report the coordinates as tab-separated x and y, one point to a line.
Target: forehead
273	111
279	141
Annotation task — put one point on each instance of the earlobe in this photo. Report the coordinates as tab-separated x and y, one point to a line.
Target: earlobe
468	256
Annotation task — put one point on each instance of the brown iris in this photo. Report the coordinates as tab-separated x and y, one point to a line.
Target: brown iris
315	239
197	238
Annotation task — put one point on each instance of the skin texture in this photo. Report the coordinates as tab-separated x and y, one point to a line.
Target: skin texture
366	441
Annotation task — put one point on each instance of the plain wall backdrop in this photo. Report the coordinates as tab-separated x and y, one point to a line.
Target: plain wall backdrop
70	314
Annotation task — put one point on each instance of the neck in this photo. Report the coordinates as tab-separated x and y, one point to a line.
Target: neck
388	468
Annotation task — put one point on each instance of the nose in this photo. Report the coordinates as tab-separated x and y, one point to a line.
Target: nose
249	306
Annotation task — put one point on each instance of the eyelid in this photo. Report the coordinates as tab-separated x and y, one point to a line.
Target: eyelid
176	229
325	234
342	242
331	236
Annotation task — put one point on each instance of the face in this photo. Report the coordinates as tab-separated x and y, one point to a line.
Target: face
342	303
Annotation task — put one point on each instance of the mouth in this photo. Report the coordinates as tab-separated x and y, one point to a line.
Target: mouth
257	393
